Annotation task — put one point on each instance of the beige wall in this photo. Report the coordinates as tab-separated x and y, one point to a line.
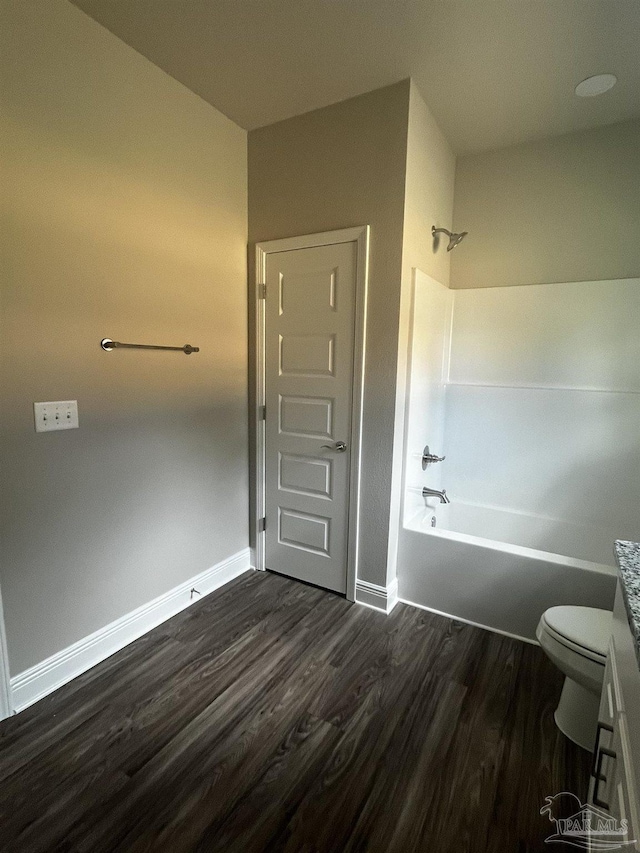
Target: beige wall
563	209
337	167
430	178
124	216
429	185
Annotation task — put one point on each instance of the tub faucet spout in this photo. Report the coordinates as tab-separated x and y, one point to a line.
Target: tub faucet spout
434	493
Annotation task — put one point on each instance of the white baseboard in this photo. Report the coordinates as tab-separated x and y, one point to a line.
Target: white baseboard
5	682
382	598
469	622
45	677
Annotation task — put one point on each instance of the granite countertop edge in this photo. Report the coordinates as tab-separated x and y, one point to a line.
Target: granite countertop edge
628	557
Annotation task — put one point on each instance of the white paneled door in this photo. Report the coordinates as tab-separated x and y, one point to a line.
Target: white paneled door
309	354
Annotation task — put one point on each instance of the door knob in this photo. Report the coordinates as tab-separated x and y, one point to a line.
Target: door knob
340	446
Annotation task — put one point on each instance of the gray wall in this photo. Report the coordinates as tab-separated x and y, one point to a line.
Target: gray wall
562	209
124	215
337	167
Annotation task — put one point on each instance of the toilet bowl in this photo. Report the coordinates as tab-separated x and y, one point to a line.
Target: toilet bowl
576	639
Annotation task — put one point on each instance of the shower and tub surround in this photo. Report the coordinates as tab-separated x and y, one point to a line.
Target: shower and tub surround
628	558
542	412
533	396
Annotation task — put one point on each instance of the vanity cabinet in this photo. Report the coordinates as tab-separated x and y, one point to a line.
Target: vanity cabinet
615	776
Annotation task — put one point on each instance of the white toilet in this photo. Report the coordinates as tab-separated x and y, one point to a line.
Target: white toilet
576	639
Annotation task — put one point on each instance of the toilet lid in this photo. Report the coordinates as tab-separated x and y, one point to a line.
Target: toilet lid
587	628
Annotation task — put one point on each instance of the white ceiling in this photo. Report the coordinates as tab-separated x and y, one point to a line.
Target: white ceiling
494	72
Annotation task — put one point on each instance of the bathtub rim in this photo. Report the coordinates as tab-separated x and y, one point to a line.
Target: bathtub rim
416	525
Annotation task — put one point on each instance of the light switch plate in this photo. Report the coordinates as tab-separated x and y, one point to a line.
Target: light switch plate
62	414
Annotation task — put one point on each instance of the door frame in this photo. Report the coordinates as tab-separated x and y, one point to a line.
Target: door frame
359	236
6	698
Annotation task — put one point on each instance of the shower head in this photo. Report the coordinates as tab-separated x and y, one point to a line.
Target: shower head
454	239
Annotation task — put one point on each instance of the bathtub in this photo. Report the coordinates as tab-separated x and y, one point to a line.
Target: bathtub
501	569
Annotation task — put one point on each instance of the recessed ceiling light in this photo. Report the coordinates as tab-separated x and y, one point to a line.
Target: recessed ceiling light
596	85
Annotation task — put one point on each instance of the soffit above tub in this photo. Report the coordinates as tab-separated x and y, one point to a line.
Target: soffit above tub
494	72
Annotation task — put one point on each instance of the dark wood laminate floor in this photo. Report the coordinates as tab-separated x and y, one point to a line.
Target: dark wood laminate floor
273	716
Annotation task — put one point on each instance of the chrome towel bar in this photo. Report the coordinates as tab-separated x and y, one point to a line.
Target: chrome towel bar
107	345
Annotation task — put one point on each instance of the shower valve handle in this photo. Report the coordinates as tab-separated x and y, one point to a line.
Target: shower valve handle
427	456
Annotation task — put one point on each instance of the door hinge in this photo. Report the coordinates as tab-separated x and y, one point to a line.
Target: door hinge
262	291
263	413
262	525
